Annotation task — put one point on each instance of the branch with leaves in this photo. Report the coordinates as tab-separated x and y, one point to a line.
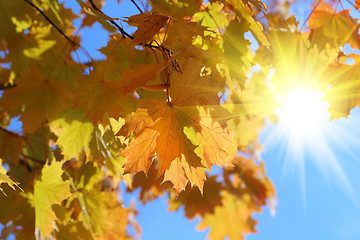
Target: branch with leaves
164	105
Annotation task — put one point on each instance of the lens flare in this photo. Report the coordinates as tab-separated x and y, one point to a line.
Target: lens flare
302	111
303	133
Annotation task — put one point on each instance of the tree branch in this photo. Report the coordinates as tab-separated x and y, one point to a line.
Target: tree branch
137	6
52	23
122	31
125	35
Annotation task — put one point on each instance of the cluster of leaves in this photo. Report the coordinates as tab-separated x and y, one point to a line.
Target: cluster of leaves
167	103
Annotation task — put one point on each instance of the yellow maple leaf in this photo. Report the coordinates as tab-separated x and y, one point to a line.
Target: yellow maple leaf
73	131
343	94
235	214
340	26
5	179
51	189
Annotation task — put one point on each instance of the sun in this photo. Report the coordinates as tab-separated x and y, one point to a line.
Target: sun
303	133
302	111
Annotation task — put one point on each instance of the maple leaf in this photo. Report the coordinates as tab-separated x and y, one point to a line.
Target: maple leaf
73	230
212	17
14	17
50	190
104	149
174	7
151	186
248	177
249	107
167	78
42	99
15	211
180	34
107	97
158	129
196	203
148	25
101	206
341	26
256	28
27	49
97	204
5	179
11	145
234	210
140	75
344	92
73	131
64	71
235	49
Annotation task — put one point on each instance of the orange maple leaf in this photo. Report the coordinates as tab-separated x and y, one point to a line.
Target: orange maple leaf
183	135
140	75
42	98
148	25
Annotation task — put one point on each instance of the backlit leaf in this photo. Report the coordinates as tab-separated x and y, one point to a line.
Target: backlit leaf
107	96
40	99
73	130
51	189
148	25
236	215
6	179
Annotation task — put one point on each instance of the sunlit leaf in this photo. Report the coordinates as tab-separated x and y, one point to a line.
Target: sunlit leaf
51	189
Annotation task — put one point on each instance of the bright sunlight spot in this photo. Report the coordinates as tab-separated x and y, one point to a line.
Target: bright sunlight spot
303	110
305	128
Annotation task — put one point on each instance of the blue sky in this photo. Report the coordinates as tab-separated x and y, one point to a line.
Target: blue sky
327	209
317	205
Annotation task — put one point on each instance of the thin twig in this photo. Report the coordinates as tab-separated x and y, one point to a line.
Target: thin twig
126	35
9	132
52	23
4	87
33	159
137	6
122	31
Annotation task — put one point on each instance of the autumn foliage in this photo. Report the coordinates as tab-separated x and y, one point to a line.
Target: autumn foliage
180	92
